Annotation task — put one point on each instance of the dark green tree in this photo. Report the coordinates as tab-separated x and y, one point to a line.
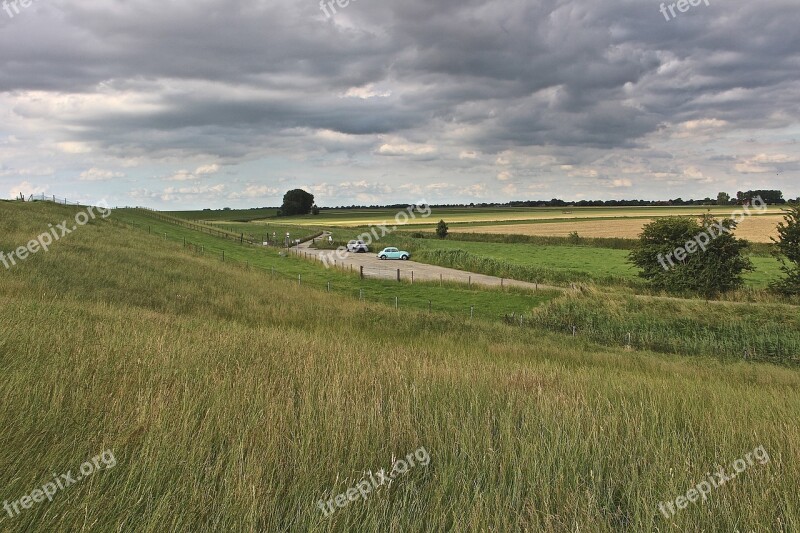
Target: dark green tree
679	254
788	252
723	198
441	229
296	202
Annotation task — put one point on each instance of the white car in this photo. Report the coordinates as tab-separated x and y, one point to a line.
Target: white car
357	246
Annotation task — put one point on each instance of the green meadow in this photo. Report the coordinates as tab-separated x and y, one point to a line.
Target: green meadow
235	400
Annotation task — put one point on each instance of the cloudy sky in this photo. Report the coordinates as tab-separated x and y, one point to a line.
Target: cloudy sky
191	104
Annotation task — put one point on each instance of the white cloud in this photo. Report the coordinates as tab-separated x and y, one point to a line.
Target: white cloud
98	174
27	189
365	92
406	149
207	169
623	182
185	175
74	147
254	191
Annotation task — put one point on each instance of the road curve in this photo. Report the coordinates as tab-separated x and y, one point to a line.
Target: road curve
409	270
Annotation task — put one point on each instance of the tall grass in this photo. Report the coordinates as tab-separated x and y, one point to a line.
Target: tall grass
765	332
234	402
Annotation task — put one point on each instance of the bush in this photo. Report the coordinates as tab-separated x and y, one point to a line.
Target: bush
441	229
714	269
788	252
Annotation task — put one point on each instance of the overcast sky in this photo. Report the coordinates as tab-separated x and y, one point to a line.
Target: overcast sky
190	104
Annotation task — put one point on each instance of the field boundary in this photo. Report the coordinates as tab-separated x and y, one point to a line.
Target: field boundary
362	294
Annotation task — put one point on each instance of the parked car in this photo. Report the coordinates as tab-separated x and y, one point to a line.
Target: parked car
357	246
393	253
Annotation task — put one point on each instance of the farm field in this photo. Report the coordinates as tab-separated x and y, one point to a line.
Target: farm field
755	228
587	261
581	262
609	222
226	214
480	216
237	401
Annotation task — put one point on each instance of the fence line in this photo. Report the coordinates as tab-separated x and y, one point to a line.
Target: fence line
398	274
362	294
48	198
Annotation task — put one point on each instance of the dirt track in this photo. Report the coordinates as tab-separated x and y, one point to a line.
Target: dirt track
409	270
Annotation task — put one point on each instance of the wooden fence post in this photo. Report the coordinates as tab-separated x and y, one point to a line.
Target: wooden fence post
398	274
361	269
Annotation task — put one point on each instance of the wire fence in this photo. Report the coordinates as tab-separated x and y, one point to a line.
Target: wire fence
364	293
213	229
198	226
387	273
46	198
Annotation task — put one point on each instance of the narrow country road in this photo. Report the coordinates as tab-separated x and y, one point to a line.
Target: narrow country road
409	270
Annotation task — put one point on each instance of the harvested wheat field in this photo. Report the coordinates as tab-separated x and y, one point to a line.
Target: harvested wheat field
755	228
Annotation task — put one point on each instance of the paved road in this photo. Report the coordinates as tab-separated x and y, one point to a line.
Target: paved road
374	268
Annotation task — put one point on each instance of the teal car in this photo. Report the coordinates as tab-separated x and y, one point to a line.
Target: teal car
393	253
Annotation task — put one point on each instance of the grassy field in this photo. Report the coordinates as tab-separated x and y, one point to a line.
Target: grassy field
559	264
239	215
475	217
583	263
233	401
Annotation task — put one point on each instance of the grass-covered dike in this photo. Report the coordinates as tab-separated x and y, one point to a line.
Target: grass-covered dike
234	402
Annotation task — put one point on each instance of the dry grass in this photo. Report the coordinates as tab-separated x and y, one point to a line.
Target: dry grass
755	229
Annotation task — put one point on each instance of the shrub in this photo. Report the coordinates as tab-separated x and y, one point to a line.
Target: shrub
716	268
441	229
788	252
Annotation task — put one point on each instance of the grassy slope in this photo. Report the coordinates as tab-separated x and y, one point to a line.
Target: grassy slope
674	326
234	402
456	299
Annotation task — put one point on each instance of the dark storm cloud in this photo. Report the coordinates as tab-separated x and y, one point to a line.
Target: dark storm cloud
232	79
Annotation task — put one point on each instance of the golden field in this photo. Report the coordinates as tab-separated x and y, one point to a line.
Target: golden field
755	228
